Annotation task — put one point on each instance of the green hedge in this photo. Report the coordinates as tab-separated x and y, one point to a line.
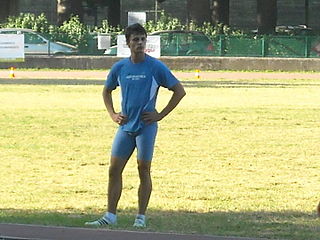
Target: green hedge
228	41
84	37
72	31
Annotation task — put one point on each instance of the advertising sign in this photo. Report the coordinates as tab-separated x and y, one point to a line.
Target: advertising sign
11	47
152	46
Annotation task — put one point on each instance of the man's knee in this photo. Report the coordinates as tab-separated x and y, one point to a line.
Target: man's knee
116	166
114	171
144	168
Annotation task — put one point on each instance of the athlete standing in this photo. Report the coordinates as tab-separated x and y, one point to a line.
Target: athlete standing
139	78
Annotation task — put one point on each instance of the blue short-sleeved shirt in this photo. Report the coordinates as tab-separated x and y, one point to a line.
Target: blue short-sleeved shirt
139	85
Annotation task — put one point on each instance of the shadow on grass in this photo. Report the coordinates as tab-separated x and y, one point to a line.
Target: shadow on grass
273	225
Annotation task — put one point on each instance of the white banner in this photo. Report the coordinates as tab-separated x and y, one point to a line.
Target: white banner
11	47
152	46
104	41
137	17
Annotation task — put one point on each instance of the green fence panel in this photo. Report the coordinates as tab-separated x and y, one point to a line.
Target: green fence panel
240	46
267	46
185	44
314	47
182	44
286	46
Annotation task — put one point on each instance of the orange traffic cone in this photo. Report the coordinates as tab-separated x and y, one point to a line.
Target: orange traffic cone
11	74
197	74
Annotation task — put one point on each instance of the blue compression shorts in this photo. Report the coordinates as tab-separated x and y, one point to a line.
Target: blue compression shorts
124	143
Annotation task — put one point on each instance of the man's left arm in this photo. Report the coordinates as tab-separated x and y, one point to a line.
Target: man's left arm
178	94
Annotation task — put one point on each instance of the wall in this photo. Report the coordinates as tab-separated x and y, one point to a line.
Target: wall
287	9
314	14
175	63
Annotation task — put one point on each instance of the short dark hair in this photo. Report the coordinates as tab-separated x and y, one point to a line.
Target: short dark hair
135	28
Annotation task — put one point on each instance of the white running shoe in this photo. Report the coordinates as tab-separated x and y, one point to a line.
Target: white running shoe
139	223
104	221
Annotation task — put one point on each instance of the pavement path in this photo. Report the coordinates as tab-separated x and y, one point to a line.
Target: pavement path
190	75
37	232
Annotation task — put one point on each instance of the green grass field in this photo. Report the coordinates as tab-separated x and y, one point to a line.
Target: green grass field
232	159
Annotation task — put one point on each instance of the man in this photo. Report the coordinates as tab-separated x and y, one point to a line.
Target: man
139	78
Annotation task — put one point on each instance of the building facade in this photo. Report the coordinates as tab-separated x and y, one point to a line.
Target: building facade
242	12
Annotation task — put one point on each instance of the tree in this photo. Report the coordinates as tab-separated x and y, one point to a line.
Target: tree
266	16
220	11
65	8
212	11
114	10
306	12
199	11
8	7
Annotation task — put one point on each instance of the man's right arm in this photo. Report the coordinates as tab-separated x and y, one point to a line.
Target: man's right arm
108	102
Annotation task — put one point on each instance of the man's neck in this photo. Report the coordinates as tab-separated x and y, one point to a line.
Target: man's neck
137	58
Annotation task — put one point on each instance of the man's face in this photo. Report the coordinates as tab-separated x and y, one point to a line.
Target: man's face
137	43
